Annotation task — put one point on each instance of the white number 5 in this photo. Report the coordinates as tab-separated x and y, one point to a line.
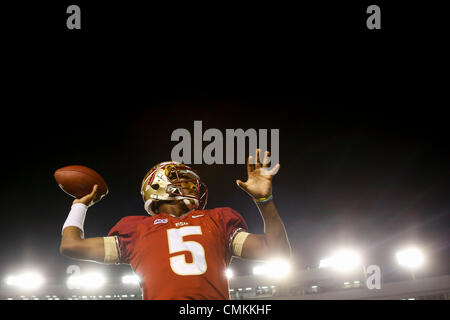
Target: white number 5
176	244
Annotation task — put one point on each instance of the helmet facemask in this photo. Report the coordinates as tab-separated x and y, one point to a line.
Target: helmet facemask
173	181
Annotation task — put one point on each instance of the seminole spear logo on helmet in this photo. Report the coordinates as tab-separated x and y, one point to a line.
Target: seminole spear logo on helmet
172	180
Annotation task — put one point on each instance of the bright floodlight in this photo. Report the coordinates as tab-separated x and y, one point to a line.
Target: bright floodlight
130	279
346	260
91	280
342	260
229	273
27	280
259	270
325	263
411	258
275	268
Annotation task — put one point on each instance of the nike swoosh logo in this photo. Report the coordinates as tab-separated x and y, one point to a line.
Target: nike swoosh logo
198	216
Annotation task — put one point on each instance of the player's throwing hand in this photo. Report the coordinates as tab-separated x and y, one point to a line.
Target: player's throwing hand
259	182
91	198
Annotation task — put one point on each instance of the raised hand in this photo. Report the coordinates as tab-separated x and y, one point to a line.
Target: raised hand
259	181
90	198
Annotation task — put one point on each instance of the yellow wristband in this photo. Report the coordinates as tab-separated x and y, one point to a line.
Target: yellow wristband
260	200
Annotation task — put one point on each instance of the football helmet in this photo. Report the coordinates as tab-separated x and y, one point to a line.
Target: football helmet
172	180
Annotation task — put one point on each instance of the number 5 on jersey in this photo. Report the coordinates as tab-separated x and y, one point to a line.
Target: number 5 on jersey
176	244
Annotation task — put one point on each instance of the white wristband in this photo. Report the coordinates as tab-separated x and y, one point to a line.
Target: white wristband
76	217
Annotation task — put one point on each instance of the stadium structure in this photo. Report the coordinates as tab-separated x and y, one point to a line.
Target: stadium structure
309	284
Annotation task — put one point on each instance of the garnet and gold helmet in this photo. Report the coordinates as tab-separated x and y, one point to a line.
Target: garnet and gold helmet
172	180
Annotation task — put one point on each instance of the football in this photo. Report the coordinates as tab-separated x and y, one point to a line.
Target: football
78	181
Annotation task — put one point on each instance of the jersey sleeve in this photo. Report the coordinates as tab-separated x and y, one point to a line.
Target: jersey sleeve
233	223
125	233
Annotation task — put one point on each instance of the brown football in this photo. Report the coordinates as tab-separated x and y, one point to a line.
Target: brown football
78	181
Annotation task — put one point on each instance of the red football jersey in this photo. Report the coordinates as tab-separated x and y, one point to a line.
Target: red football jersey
180	258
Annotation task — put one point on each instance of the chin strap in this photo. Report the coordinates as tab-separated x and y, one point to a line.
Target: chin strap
147	207
191	204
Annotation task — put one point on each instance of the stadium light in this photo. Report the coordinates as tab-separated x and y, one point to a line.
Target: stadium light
342	260
92	280
26	280
276	268
259	270
325	263
131	279
229	273
411	258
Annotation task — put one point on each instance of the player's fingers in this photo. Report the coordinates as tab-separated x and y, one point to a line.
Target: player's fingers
93	194
274	170
250	165
266	160
241	184
98	197
258	160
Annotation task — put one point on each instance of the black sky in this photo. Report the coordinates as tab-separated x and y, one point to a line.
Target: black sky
363	143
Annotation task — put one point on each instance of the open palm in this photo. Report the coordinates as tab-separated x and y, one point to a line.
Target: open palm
259	182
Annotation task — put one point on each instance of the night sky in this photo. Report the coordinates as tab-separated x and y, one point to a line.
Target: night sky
363	136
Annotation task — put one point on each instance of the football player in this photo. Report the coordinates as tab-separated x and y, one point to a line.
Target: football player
181	250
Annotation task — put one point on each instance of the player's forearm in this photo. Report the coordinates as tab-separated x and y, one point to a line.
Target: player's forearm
274	230
73	246
72	243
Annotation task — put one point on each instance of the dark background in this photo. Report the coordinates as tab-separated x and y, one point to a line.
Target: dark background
362	119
